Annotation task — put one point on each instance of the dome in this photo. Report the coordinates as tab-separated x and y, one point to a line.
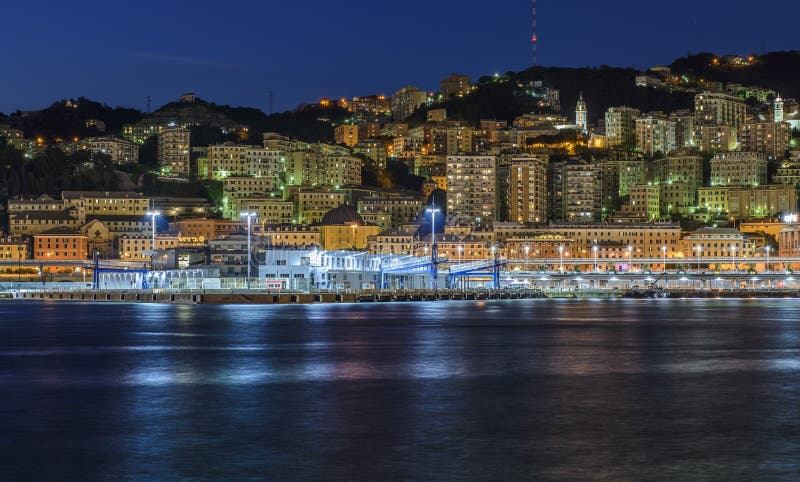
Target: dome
341	215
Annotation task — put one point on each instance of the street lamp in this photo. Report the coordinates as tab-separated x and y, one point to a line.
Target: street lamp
354	226
432	211
249	217
561	259
699	250
460	248
630	258
664	250
768	249
527	249
733	257
153	215
594	249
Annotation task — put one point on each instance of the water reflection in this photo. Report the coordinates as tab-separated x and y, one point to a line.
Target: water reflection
436	391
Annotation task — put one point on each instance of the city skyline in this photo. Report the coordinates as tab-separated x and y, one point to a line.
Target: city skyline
122	55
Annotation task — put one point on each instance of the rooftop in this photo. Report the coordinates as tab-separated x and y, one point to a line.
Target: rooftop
101	194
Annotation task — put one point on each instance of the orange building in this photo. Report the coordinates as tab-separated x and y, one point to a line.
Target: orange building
60	244
211	229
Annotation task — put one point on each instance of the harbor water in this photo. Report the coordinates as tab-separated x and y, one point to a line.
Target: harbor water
449	390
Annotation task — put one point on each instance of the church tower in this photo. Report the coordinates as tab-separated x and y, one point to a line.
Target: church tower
580	114
778	109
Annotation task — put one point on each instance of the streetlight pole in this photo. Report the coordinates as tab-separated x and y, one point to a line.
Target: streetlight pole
434	272
249	217
527	249
561	259
630	258
664	250
768	249
733	258
699	250
153	215
594	249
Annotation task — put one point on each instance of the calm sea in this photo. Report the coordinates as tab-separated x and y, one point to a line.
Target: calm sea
501	390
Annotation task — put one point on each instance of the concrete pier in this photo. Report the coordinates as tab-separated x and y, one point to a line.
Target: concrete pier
255	297
273	298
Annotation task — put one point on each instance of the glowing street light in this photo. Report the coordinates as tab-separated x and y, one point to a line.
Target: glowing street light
354	226
527	249
630	258
460	249
561	259
733	258
432	211
768	250
249	217
664	250
153	215
594	249
699	250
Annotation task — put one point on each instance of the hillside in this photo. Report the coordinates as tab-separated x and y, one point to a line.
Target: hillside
775	70
67	119
500	97
504	97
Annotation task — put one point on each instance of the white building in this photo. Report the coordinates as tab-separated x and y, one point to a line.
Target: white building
655	133
173	152
738	169
621	126
471	189
719	109
121	151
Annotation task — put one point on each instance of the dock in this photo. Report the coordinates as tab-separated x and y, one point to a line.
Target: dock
274	298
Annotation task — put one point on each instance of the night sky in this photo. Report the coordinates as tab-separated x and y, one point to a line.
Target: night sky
236	51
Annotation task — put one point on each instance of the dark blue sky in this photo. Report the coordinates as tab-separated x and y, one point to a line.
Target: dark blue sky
236	51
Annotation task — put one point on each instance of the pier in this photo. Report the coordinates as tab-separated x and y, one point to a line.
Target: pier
273	298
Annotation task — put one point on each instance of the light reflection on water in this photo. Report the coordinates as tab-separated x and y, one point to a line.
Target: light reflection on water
676	389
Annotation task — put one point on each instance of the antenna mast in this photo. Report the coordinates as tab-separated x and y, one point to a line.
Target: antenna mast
533	37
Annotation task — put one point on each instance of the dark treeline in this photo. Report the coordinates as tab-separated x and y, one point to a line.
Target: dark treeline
53	172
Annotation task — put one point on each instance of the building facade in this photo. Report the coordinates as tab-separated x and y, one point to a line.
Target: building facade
174	146
471	188
738	169
527	189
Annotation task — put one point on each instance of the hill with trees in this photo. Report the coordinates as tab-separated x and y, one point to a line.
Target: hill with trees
502	97
779	71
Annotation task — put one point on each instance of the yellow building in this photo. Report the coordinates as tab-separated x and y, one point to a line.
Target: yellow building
713	199
766	227
346	134
718	242
134	247
13	249
313	201
644	202
107	203
455	247
441	182
646	240
343	228
291	235
269	210
393	241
